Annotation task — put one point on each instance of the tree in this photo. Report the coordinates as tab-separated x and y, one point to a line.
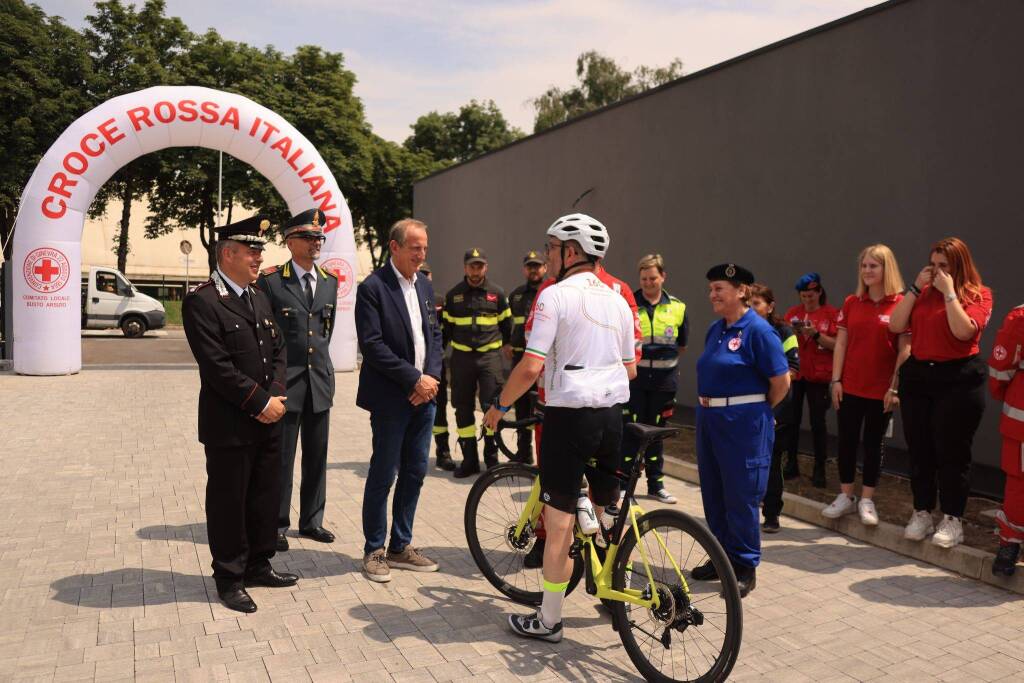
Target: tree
388	196
45	75
449	138
132	49
600	82
185	190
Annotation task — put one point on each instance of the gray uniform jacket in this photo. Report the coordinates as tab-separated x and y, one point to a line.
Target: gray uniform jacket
307	332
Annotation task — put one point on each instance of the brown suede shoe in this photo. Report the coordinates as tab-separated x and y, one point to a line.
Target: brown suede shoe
411	559
375	566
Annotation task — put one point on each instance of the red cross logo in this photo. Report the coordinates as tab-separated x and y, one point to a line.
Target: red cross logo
46	270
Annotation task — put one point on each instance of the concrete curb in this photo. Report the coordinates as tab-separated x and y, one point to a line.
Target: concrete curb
969	562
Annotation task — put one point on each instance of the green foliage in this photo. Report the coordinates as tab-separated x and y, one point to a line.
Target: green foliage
132	49
600	82
449	138
45	76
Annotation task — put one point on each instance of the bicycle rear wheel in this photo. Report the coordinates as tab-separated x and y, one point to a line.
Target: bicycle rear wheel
493	507
695	633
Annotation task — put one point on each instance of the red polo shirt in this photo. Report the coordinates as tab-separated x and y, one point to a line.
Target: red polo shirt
815	359
871	348
933	340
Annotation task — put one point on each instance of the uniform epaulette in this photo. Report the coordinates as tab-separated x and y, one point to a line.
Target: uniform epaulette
269	271
200	286
326	273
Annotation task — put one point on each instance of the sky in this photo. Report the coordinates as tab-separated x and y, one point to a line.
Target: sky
413	56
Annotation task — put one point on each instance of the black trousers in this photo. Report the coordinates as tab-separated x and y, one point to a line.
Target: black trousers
649	408
818	401
942	405
857	413
441	416
474	374
314	428
242	496
772	503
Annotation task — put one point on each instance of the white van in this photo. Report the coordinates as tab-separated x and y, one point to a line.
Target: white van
109	300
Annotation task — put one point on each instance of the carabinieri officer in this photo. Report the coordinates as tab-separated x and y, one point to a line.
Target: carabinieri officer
741	375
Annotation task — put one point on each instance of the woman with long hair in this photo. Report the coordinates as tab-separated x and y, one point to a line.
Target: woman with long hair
762	301
942	385
865	383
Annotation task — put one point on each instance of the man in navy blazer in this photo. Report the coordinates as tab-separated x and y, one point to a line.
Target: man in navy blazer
400	340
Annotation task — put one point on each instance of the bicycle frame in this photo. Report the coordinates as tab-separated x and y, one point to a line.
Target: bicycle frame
601	572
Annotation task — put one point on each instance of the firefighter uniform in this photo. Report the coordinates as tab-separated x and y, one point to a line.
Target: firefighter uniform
442	452
652	395
1006	382
477	323
520	302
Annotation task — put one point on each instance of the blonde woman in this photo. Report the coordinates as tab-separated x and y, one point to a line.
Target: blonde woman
866	361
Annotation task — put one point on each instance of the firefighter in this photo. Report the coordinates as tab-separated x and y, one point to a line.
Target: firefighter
1006	382
520	301
478	323
652	395
440	430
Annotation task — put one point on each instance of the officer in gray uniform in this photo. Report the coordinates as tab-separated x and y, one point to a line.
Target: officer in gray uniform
305	301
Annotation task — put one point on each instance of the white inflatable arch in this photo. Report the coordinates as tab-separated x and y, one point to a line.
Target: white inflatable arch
47	239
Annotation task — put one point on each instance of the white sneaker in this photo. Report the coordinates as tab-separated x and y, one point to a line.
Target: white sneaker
531	626
919	526
842	505
949	533
867	511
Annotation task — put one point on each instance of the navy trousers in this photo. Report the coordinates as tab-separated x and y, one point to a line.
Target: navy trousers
734	452
401	446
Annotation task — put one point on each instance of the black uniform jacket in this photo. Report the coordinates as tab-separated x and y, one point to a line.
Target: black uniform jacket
521	301
241	359
477	318
307	332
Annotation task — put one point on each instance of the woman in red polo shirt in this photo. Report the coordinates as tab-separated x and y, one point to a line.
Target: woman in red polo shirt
942	385
864	379
815	323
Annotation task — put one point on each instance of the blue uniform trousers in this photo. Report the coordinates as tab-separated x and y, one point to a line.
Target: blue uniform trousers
734	451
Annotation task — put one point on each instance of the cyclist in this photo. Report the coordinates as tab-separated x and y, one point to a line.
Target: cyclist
583	341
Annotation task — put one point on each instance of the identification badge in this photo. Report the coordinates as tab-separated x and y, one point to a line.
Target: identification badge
491	296
735	343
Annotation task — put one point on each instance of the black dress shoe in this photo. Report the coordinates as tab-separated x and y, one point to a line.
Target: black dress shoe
319	534
747	579
282	543
704	572
237	599
271	579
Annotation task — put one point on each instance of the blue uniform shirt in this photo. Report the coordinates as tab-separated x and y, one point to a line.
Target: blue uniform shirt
739	360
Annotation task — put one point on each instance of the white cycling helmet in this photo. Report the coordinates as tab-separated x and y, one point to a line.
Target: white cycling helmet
589	232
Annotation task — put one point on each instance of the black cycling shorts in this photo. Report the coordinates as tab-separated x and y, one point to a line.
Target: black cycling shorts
577	441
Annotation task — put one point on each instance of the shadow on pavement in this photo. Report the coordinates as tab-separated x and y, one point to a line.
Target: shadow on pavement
932	591
472	617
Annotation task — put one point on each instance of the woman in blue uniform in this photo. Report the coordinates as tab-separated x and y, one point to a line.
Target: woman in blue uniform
741	375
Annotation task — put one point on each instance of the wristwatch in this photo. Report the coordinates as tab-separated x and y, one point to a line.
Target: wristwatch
816	335
951	297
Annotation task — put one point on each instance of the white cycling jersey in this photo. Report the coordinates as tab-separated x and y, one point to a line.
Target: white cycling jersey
583	331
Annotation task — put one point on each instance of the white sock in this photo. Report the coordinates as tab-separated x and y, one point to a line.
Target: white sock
551	603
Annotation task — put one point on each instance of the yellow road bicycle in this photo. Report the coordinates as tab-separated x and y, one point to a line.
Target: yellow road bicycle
673	630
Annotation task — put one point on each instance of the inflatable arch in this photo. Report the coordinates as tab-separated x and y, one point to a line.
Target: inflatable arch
47	239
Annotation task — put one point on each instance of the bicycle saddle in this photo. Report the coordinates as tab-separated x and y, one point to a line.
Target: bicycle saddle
650	432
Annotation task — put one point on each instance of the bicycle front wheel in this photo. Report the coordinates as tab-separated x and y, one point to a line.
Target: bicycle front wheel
694	634
493	507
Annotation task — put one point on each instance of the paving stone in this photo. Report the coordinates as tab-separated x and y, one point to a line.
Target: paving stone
110	580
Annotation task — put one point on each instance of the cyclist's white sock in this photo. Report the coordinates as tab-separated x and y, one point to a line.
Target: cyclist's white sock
551	604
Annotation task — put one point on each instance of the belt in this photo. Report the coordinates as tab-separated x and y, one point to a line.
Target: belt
731	400
658	364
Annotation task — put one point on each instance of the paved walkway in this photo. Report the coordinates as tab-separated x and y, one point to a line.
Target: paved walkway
106	573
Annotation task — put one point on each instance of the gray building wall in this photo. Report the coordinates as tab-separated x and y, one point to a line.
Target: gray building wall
901	124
